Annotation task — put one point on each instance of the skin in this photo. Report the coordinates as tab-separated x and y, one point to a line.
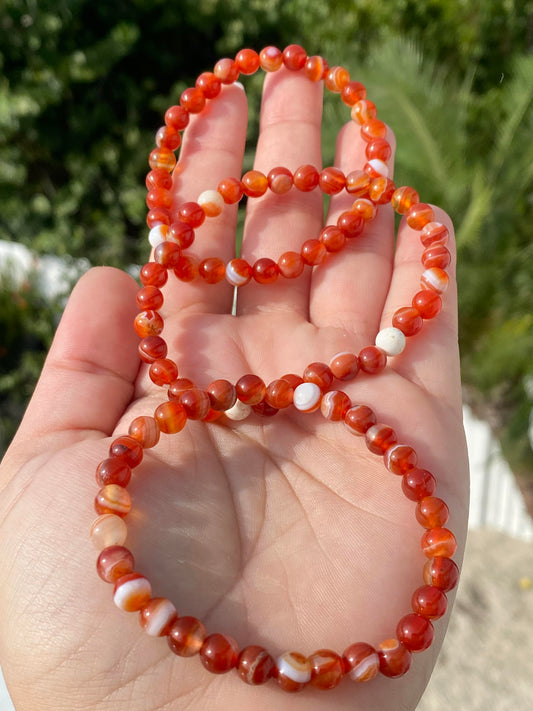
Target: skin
283	531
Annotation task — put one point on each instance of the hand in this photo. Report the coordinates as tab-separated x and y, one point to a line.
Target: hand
281	531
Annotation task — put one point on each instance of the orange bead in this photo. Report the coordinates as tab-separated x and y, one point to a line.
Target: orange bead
279	394
334	405
436	256
415	632
407	320
250	389
400	458
319	374
344	366
127	450
435	279
157	617
177	117
271	59
313	252
192	214
158	178
222	394
336	79
151	348
255	665
113	499
327	669
231	190
381	190
351	224
333	238
372	360
145	430
238	272
280	180
153	274
181	233
306	178
403	198
247	61
430	602
162	158
439	542
132	591
432	512
379	148
358	183
193	100
361	662
209	84
226	70
419	215
113	470
178	386
212	270
365	209
170	417
219	653
394	658
186	636
434	233
428	303
187	269
196	403
315	68
353	92
331	180
265	271
441	572
418	483
359	419
114	562
363	111
379	438
294	57
254	183
168	137
163	371
291	265
373	128
108	530
293	671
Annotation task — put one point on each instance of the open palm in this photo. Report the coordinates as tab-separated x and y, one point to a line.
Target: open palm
284	531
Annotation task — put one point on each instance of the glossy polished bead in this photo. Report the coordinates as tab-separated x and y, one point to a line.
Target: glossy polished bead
365	209
336	79
209	84
372	360
439	542
359	419
331	181
247	60
222	394
313	252
271	59
391	341
226	70
193	100
239	411
436	256
434	233
400	458
187	269
157	235
358	183
419	215
151	348
441	572
293	379
127	449
318	373
212	270
162	158
291	265
334	405
177	117
178	386
306	178
157	616
168	254
219	653
170	417
379	148
250	389
279	394
186	636
196	403
435	279
376	168
149	297
428	303
255	665
333	238
403	198
113	499
379	438
192	214
181	233
148	323
265	271
163	371
373	128
351	224
407	320
363	111
254	183
238	272
315	68
159	197
294	57
415	632
432	512
306	397
361	662
327	669
168	137
264	409
381	190
394	658
153	274
145	430
280	180
231	190
429	601
418	483
352	92
114	562
344	365
131	592
211	202
294	671
108	530
158	216
113	470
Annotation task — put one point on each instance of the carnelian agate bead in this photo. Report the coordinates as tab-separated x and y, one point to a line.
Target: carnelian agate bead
264	409
403	198
432	512
193	100
222	394
313	252
113	563
177	117
192	214
315	68
294	671
373	128
158	178
181	233
306	178
415	632
378	148
334	405
327	669
186	636
319	374
361	662
429	601
279	394
351	224
359	419
379	438
394	658
127	449
333	238
336	79
439	542
331	180
108	530
407	320
168	254
372	360
209	84
211	202
436	279
254	183
363	111
365	209
291	265
148	323
178	386
231	190
357	183
153	274
436	256
353	92
226	70
250	389
170	417
113	471
187	269
344	366
255	665
293	379
196	403
168	137
163	371
162	158
158	216
157	617
280	180
442	573
145	430
381	190
219	653
434	233
294	57
113	499
271	59
212	270
151	348
131	592
265	271
419	215
400	458
428	303
418	483
247	61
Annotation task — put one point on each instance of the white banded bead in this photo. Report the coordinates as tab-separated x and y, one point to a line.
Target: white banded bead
239	411
157	235
306	397
292	668
391	340
379	166
436	279
132	592
233	276
211	202
157	616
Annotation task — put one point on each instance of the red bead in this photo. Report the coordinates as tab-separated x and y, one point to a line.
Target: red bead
364	208
419	215
151	348
168	254
379	148
279	394
336	79
379	438
254	183
436	256
163	371
403	198
381	190
359	419
400	458
271	59
127	449
429	601
193	100
113	470
158	178
219	653
293	671
353	92
148	323
209	84
441	572
313	252
192	214
293	379
181	233
157	616
280	180
162	158
168	137
196	403
264	409
238	272
250	389
331	181
222	394
255	665
428	303
334	405
373	128
351	224
327	669
306	178
439	542
407	320
358	183
226	70
291	265
432	512
265	271
415	632
212	270
344	366
320	374
434	233
153	274
177	117
363	110
170	417
114	562
158	216
247	61
294	57
231	190
372	360
145	430
418	483
186	636
361	662
187	269
315	68
333	238
394	658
